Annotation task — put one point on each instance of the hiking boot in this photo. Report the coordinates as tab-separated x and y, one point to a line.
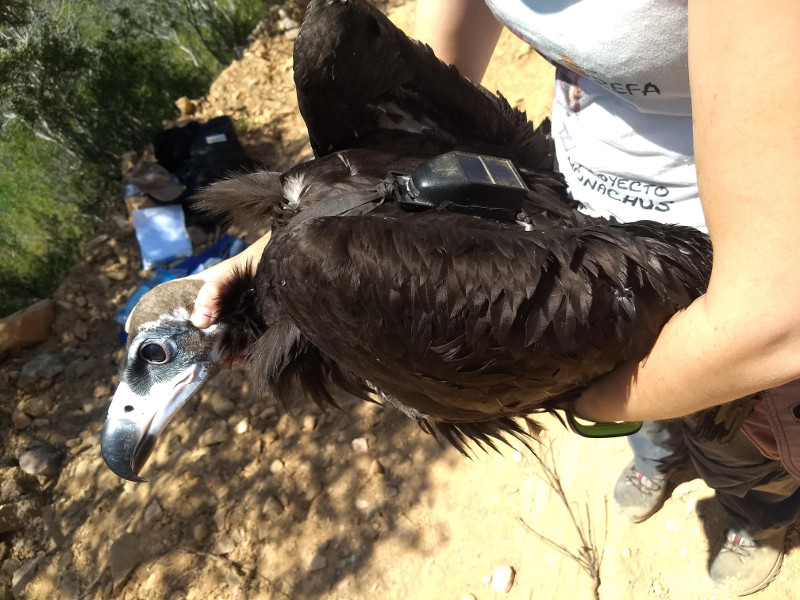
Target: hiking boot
746	565
638	497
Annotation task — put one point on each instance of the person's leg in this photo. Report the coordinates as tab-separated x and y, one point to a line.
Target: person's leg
761	500
658	448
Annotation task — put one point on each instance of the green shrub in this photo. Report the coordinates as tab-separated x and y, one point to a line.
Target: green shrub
80	84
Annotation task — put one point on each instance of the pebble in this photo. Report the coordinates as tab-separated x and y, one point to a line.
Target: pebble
81	330
96	241
43	460
10	565
309	422
16	515
276	466
200	531
40	369
23	575
217	434
69	586
84	366
272	506
683	489
225	545
360	445
242	426
153	512
503	579
318	562
673	525
287	23
222	406
36	406
20	419
390	491
117	273
314	489
124	556
658	589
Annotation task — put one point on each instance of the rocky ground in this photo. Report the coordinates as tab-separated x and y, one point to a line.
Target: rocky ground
246	500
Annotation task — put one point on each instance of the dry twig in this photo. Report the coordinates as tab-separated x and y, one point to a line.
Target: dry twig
589	554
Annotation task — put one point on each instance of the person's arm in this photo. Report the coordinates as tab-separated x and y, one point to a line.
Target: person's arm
463	33
743	335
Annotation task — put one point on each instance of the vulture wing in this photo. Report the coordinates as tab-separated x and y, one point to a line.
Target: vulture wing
361	82
467	320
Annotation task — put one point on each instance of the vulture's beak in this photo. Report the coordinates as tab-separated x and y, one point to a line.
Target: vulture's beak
135	421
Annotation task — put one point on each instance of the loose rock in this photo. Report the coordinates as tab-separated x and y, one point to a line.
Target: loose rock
360	445
153	512
185	105
15	483
26	327
225	545
24	575
10	565
503	579
215	435
20	419
222	406
43	368
43	460
69	587
318	562
124	557
287	23
200	531
17	515
272	506
36	406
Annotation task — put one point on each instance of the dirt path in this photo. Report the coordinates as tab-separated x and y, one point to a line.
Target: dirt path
247	502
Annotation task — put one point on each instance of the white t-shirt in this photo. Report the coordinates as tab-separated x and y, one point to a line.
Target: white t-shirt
622	115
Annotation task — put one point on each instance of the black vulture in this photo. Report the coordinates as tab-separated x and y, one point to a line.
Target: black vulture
428	255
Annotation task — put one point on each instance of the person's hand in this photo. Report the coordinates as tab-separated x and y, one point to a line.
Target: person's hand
206	306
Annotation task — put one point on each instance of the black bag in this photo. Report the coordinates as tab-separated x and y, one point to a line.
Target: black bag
199	154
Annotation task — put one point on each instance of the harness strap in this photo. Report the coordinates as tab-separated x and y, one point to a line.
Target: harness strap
336	207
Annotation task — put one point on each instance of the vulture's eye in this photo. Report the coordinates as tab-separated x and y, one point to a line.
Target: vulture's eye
154	353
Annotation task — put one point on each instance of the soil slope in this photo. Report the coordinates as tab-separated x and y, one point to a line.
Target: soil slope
245	501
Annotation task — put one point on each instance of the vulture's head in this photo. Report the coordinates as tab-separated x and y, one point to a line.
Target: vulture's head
167	361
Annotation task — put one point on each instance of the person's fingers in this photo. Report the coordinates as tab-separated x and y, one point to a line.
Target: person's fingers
206	305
